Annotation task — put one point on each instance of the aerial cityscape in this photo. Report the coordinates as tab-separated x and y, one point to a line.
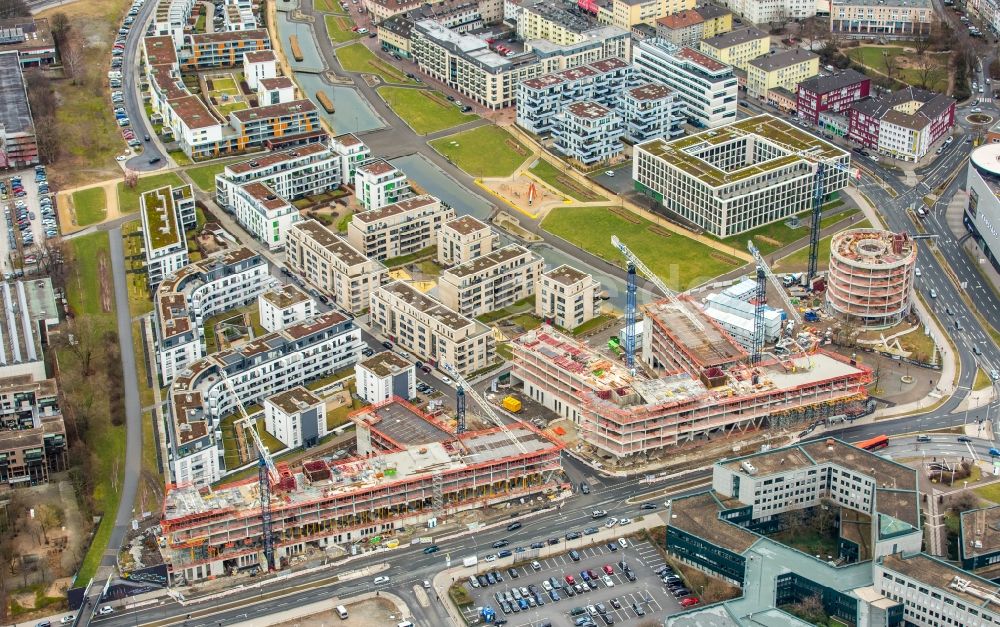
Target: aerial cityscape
537	313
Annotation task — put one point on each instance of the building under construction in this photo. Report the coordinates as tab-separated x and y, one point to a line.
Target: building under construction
871	276
409	468
701	383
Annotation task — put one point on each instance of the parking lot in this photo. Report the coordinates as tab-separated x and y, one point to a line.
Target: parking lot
646	594
29	217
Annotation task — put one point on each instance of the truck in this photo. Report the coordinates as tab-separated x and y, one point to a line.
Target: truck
472	560
512	404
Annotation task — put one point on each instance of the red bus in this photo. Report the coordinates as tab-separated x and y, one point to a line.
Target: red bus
874	444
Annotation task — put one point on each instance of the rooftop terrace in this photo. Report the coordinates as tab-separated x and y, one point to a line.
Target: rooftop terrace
161	218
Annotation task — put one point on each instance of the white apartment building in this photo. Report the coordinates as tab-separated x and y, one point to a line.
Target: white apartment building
188	297
540	99
764	12
296	416
730	181
352	152
588	132
259	64
567	297
302	171
649	111
384	375
401	228
235	17
263	213
331	265
430	331
272	91
377	183
490	282
468	64
166	213
464	239
284	306
705	87
258	369
171	18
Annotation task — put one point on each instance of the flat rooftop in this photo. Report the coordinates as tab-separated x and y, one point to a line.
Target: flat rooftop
685	153
285	296
428	306
294	400
735	38
15	115
649	91
705	343
466	225
193	112
566	275
588	110
699	515
273	159
488	261
336	245
378	167
385	364
981	531
162	228
938	574
785	59
396	209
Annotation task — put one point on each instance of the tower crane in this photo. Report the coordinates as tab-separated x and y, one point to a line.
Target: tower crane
464	387
267	475
820	164
792	311
634	264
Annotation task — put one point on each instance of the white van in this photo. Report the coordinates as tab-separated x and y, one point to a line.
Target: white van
341	611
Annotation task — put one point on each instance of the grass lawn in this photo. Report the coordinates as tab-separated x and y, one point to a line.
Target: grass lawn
424	110
90	205
485	151
204	175
180	157
523	306
990	492
527	321
679	261
358	58
799	260
593	323
874	58
771	237
128	199
564	184
339	27
982	380
225	109
82	284
327	6
224	85
395	262
504	351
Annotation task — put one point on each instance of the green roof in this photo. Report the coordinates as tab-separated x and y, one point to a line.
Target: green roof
161	218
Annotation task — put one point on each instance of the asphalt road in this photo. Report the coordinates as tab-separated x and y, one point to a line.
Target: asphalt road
133	419
133	100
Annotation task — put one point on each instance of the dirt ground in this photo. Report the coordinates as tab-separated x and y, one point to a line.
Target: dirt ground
361	614
105	287
518	190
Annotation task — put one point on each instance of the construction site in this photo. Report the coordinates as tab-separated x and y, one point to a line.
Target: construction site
694	380
410	468
871	276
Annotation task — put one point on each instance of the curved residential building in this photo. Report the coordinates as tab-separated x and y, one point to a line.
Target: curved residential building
871	275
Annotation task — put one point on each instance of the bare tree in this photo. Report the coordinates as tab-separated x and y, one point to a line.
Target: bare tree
14	8
922	40
49	518
73	59
891	64
963	502
926	71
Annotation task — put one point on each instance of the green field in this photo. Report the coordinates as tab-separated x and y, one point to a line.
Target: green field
564	184
128	199
771	237
799	260
486	151
339	27
357	58
224	85
681	262
327	6
204	175
82	284
874	58
424	110
90	205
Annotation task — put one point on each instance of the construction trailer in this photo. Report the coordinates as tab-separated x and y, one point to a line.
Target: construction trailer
702	386
409	468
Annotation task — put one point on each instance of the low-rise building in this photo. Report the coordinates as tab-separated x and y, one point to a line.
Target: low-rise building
649	111
904	124
567	297
385	375
272	91
187	298
263	213
297	417
706	87
256	370
715	19
432	332
464	239
588	132
784	70
395	34
31	38
685	28
18	147
284	305
205	51
278	125
333	266
378	183
891	19
632	13
738	47
32	433
401	228
767	12
730	182
259	64
490	282
166	213
833	93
